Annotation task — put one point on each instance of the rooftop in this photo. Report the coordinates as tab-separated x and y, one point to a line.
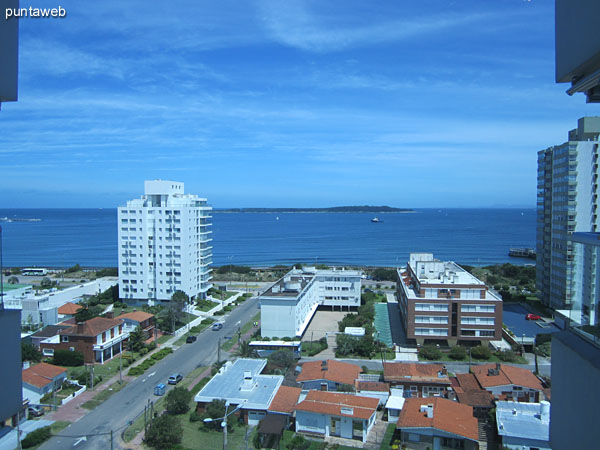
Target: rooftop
523	420
431	373
332	370
489	375
69	309
291	285
137	316
285	400
241	382
334	404
42	374
92	327
445	415
50	330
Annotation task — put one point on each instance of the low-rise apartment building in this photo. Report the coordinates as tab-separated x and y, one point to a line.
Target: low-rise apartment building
287	307
441	301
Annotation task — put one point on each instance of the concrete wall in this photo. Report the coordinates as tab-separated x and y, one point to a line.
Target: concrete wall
311	422
10	375
575	390
524	444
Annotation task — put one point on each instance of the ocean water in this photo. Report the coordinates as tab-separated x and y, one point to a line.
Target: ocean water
64	237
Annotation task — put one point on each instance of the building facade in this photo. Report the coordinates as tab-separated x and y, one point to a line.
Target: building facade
164	243
439	300
567	202
287	307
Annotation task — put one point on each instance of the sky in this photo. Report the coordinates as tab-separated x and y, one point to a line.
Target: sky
285	103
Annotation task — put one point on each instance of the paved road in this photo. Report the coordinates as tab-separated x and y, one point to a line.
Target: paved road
125	405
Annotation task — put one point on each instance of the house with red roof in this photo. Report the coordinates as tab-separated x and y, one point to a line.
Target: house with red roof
99	339
141	319
507	382
68	310
437	423
327	375
417	379
333	414
42	378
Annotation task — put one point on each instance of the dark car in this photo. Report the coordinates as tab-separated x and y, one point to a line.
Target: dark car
190	339
175	378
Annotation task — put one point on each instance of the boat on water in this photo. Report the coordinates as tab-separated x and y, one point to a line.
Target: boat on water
13	219
376	220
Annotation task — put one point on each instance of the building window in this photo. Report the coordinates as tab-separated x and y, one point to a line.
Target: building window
48	352
64	339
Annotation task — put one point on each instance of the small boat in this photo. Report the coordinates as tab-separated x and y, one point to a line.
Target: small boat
277	218
376	220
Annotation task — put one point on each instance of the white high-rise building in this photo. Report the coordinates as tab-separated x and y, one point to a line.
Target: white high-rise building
164	243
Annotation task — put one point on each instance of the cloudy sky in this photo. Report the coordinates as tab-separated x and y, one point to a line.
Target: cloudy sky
285	102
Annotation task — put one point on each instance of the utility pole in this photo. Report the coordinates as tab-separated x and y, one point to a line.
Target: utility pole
121	362
111	440
219	351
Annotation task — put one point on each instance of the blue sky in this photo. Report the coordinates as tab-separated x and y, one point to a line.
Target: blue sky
285	103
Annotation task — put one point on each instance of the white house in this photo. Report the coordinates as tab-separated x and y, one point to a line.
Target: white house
164	243
287	307
240	383
332	414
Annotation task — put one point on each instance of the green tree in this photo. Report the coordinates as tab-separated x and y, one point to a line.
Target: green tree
30	353
12	280
216	410
164	432
136	339
430	352
298	442
73	269
178	400
245	350
88	312
457	352
46	282
282	359
481	352
67	358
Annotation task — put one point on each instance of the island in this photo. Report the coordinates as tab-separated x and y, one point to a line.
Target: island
333	209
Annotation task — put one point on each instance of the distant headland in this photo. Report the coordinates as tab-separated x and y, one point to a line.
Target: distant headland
333	209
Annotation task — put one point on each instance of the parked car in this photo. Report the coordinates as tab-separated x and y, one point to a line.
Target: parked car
532	317
36	411
217	326
175	378
191	338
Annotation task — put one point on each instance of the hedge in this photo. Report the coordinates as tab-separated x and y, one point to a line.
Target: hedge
36	437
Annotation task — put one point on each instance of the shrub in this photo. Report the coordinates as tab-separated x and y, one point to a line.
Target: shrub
67	358
481	352
507	356
36	437
164	432
430	352
178	400
219	312
135	371
457	352
152	346
195	417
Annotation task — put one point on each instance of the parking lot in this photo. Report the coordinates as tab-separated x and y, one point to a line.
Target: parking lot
514	318
321	323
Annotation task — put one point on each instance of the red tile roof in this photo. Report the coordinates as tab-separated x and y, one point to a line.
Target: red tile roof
137	316
285	399
331	403
333	370
416	372
42	374
448	416
372	386
92	327
69	309
508	375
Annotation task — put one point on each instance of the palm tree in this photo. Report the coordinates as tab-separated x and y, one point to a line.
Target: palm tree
245	350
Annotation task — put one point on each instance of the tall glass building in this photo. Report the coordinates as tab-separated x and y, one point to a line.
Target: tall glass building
567	202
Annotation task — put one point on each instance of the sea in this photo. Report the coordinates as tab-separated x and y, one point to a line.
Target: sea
65	237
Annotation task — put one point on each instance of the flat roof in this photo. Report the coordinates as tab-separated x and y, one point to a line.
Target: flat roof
290	286
228	384
522	420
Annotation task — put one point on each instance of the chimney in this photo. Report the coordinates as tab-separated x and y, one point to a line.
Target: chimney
110	315
444	370
247	382
545	411
430	411
80	326
498	367
324	365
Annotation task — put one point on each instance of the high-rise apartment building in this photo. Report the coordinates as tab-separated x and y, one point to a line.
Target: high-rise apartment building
164	243
567	201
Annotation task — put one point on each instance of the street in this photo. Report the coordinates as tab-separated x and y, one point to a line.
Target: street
115	413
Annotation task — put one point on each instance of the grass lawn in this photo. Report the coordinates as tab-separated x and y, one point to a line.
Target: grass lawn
388	355
386	444
192	435
164	338
206	305
106	370
250	324
104	395
203	325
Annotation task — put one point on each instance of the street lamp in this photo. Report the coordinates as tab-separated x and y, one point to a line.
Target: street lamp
224	421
